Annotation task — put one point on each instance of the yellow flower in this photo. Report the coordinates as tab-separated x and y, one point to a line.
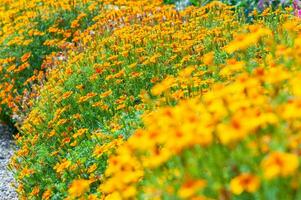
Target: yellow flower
106	94
59	167
167	83
113	196
190	188
232	67
87	97
244	182
234	131
92	197
279	164
79	187
186	72
80	132
243	41
208	58
277	74
295	83
129	192
92	168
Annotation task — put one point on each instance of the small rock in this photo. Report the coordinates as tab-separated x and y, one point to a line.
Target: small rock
7	192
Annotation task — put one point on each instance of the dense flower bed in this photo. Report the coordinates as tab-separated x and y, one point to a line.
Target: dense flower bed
34	36
142	101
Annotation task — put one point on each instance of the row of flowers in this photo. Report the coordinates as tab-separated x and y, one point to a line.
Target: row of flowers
147	102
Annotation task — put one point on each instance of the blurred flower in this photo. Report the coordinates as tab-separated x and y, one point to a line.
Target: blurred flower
190	188
244	182
279	164
79	187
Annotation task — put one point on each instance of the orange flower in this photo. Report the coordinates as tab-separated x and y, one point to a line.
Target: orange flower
244	182
46	194
26	172
25	57
35	191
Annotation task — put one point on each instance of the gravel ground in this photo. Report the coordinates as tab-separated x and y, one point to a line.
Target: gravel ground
6	150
